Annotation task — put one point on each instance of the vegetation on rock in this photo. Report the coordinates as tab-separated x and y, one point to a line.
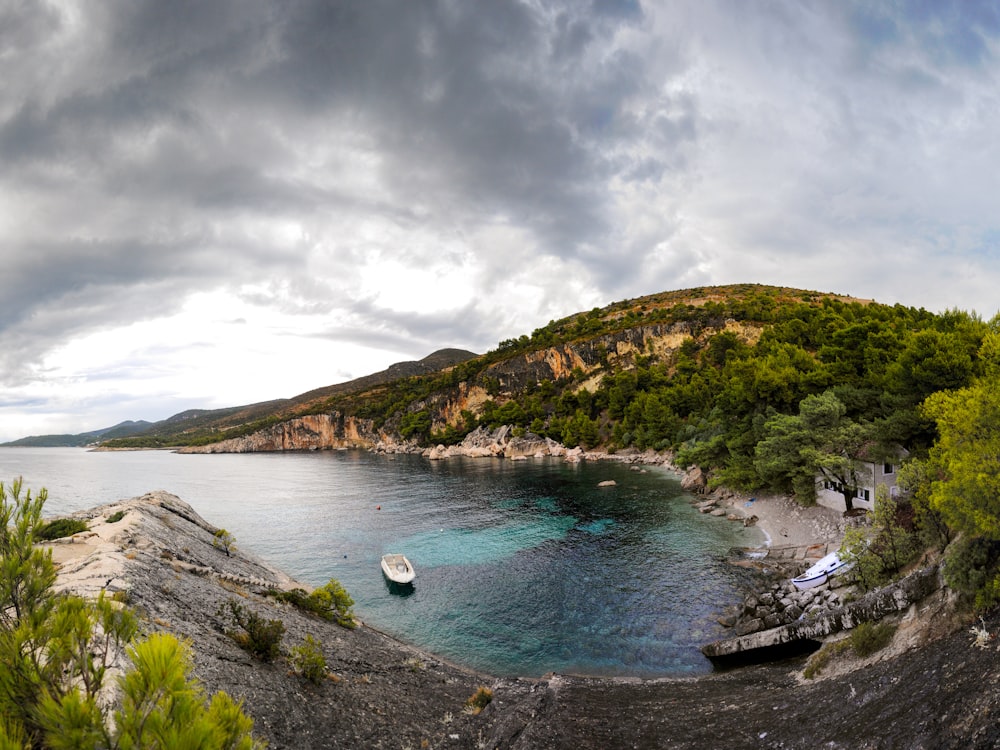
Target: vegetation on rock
254	634
57	652
59	528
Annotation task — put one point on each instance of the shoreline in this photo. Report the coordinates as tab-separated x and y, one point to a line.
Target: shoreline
383	693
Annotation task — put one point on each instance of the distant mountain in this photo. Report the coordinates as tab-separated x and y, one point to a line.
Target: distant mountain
120	430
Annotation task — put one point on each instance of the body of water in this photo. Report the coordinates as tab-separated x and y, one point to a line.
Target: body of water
522	567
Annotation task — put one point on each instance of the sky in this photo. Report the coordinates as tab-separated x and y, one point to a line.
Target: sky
213	203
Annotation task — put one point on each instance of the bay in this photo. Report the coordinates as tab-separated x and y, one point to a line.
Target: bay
522	567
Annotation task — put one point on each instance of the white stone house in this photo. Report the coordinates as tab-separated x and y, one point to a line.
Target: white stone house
830	495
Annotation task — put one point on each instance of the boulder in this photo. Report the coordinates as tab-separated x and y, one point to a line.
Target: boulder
749	626
694	480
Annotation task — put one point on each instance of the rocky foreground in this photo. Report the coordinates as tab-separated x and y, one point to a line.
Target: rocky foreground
935	688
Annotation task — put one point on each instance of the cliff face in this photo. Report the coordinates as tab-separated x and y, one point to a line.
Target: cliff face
593	357
312	432
559	362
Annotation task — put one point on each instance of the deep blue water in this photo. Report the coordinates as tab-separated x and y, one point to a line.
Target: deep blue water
522	567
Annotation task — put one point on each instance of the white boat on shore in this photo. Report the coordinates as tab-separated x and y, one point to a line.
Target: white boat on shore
397	568
821	572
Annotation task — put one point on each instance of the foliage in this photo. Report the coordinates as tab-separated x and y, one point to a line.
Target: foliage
56	651
972	568
330	601
915	478
332	598
750	354
225	541
821	659
865	639
116	517
308	660
964	461
163	707
256	635
818	442
59	528
880	551
479	700
871	637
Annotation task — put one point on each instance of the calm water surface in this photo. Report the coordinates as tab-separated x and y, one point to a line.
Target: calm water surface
522	567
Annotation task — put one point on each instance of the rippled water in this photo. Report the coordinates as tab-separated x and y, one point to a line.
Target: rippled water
522	567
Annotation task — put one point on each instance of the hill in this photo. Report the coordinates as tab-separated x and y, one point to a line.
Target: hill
198	426
698	372
120	430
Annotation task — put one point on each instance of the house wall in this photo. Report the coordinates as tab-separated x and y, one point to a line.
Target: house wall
831	498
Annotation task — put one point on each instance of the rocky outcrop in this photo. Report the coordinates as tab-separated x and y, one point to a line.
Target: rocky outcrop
807	618
559	362
312	432
499	443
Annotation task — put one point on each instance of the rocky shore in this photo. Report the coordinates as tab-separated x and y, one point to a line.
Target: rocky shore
381	693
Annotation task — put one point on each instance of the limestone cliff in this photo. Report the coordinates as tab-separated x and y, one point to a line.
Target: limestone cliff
500	382
311	432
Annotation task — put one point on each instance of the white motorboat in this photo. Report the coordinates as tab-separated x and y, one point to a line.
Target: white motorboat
820	573
397	568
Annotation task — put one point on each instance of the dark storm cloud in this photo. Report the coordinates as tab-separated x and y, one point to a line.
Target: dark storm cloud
149	124
539	157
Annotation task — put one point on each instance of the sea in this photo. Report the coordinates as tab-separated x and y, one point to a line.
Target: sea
523	567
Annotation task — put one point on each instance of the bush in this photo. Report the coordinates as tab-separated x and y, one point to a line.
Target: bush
822	658
116	517
255	634
225	540
972	568
866	639
331	602
870	637
479	700
59	528
308	660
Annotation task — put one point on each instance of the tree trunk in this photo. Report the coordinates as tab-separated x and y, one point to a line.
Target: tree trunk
849	494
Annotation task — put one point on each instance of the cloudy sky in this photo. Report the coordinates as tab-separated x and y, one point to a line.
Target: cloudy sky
211	203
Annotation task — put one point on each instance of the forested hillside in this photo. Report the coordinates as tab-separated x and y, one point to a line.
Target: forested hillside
761	387
697	371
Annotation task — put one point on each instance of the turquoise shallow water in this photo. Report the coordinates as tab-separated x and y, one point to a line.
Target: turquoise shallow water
522	567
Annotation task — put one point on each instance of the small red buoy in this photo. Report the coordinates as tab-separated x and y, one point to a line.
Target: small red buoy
378	507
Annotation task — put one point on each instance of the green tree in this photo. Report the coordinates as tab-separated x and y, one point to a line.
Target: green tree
880	551
818	443
56	650
225	541
966	458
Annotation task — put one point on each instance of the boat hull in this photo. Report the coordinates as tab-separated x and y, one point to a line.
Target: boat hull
398	569
821	572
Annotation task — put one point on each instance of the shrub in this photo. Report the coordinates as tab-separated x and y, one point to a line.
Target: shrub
225	540
59	528
331	602
116	517
866	639
972	568
821	659
308	660
870	637
478	700
254	634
